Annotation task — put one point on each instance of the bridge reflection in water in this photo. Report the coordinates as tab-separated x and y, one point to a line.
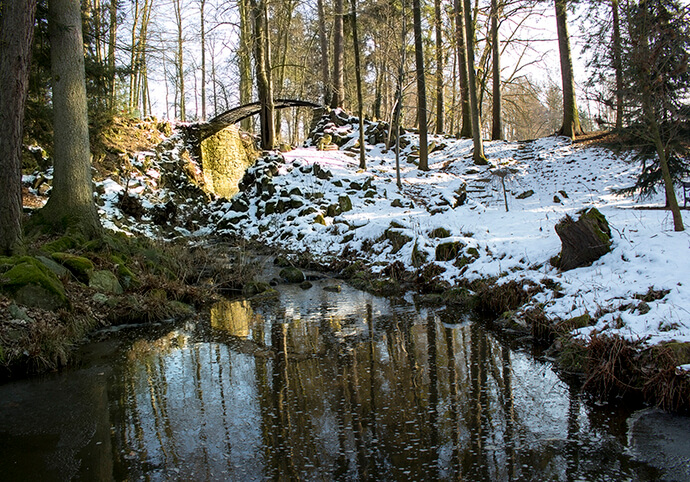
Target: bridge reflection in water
346	386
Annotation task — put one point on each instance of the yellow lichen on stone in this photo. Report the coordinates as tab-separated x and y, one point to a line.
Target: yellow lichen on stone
224	161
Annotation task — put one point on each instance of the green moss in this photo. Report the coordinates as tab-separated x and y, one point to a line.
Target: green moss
577	322
572	356
80	267
292	275
124	274
254	288
439	233
62	244
418	257
30	283
448	251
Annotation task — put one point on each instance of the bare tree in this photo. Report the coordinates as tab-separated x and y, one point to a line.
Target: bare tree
438	24
358	77
338	92
421	85
571	118
16	35
478	152
262	57
460	45
496	125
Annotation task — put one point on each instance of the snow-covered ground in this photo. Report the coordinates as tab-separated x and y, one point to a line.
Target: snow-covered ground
387	224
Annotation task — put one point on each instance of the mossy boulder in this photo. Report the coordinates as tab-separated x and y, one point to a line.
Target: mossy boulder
254	288
57	269
30	283
319	219
345	203
80	267
62	244
125	275
105	282
291	275
439	233
448	251
525	194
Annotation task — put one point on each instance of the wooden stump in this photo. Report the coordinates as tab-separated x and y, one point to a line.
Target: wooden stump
583	241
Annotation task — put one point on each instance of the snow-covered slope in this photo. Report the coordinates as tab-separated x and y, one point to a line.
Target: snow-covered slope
297	201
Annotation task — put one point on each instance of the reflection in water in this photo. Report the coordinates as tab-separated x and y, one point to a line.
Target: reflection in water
347	386
360	392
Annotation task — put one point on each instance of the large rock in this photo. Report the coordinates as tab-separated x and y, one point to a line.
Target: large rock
225	158
583	241
30	283
105	282
292	275
80	267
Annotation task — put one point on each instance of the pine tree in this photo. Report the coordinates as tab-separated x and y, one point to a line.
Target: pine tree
657	78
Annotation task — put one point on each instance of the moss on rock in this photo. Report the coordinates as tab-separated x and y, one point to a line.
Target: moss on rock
30	283
79	266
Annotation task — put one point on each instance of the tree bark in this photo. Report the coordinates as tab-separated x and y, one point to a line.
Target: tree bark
478	151
496	124
439	68
16	35
71	202
571	118
202	4
263	75
112	43
244	60
338	92
323	42
421	86
617	64
358	79
466	129
180	60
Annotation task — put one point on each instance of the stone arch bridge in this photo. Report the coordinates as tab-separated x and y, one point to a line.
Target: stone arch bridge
226	152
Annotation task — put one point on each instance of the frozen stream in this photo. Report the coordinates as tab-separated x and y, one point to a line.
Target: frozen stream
320	385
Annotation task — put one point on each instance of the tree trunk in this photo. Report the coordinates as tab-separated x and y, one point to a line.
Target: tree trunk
496	124
617	64
478	152
263	76
571	118
358	77
180	60
439	68
338	92
421	86
16	35
112	41
323	42
71	202
244	60
202	3
466	130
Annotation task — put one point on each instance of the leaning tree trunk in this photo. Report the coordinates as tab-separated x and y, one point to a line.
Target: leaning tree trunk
244	61
571	119
71	202
16	35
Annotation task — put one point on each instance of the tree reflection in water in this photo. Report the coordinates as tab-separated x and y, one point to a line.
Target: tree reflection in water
348	388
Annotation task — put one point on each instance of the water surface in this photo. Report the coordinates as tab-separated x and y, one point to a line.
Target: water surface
319	385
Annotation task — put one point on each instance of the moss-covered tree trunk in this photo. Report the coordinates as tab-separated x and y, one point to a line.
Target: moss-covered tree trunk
16	34
71	202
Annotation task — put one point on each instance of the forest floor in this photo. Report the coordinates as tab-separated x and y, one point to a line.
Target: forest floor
470	236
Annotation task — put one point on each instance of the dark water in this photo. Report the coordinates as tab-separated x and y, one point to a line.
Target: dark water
324	386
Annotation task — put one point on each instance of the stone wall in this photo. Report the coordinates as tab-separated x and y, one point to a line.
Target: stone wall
225	156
